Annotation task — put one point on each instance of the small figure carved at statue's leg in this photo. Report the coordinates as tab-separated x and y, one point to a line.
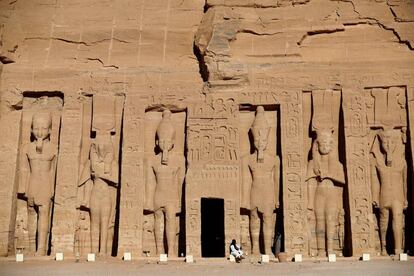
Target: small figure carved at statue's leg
159	231
32	227
397	225
268	227
170	230
255	231
384	216
43	229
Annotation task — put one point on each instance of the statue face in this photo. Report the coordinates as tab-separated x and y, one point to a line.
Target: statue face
102	145
324	141
389	140
165	144
41	127
261	142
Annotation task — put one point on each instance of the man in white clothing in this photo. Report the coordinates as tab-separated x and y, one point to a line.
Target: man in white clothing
236	251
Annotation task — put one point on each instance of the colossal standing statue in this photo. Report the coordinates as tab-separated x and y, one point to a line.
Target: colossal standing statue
389	184
100	176
100	198
325	178
37	176
264	191
165	177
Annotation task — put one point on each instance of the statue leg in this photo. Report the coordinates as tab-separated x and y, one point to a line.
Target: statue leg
320	223
331	221
397	226
170	230
331	218
384	216
31	226
255	231
268	227
104	221
43	229
95	217
158	231
111	226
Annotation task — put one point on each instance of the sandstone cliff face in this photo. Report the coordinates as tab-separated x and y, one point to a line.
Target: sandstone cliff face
180	53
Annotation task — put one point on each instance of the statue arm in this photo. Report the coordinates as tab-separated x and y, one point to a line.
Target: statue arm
53	170
405	203
24	171
108	160
87	193
150	184
85	184
276	177
246	183
375	184
311	185
180	178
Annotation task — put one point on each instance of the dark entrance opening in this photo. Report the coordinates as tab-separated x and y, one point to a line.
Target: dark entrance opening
212	227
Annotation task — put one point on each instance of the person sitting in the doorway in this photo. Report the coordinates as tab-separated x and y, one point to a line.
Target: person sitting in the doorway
236	251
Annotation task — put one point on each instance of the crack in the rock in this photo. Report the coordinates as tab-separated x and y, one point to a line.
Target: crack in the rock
374	21
352	3
203	69
318	32
76	42
249	31
5	59
103	64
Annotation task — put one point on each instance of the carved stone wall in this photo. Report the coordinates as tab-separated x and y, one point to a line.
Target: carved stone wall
212	63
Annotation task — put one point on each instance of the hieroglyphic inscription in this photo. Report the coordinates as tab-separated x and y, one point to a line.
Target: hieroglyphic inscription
212	141
357	157
132	187
218	107
193	227
293	189
231	221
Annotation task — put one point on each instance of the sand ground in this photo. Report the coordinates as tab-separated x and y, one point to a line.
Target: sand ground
206	267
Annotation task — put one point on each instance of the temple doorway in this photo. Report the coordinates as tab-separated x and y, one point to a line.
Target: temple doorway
212	227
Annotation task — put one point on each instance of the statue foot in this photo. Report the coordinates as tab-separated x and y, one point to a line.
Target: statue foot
40	252
102	254
321	253
384	253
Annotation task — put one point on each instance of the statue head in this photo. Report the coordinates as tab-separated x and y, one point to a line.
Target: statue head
324	141
260	131
390	139
102	143
165	135
41	125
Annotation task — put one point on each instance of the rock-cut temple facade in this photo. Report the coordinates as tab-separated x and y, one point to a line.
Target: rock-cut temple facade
176	126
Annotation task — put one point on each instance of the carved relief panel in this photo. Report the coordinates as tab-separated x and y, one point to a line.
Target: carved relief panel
212	142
